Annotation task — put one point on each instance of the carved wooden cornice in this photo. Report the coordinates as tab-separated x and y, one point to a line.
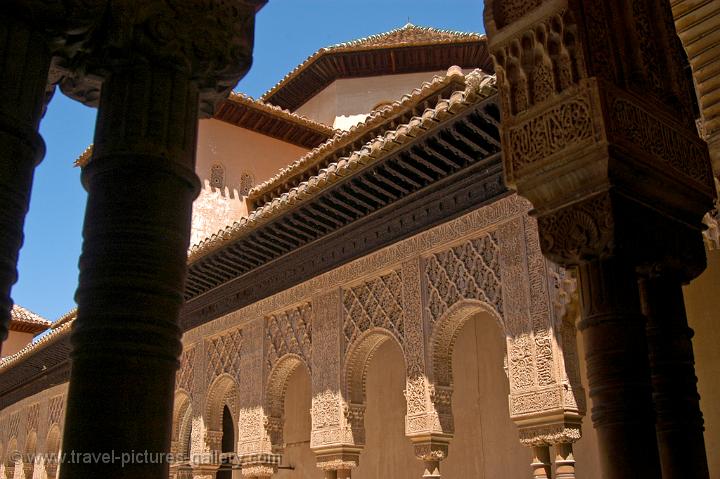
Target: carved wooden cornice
409	49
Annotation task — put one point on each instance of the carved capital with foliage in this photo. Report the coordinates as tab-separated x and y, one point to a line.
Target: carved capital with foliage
209	41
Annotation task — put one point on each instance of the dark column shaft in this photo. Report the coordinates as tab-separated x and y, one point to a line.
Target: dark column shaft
679	422
613	329
23	77
141	184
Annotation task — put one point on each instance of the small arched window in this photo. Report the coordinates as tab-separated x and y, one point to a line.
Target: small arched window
217	176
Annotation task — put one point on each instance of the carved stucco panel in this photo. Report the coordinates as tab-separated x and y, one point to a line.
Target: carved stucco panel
223	354
289	332
470	270
184	376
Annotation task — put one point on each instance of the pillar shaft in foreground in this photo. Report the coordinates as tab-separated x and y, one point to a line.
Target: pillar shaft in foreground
158	69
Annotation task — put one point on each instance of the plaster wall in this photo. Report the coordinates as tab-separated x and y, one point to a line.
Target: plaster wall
239	151
358	96
702	302
15	342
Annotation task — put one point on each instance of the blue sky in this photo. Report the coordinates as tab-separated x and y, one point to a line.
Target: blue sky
287	32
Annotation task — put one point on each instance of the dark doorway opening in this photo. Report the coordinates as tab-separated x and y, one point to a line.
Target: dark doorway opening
227	445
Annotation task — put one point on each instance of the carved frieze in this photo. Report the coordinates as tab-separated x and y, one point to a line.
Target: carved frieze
568	124
661	142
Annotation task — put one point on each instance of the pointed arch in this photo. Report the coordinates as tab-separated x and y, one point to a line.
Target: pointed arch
358	356
444	334
222	392
52	451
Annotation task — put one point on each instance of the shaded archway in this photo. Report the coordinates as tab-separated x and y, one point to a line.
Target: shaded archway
469	347
283	369
227	445
52	451
375	382
220	414
29	455
296	426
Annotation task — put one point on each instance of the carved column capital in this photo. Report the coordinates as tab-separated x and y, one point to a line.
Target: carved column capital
338	459
210	41
259	465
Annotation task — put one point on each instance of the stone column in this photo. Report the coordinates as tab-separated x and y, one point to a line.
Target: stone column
598	133
613	331
541	465
679	422
564	461
141	184
26	59
159	68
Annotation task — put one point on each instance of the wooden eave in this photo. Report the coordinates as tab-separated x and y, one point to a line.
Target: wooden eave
31	327
331	65
276	124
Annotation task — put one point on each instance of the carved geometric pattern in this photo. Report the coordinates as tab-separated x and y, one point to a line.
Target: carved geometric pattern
184	378
223	354
246	183
375	303
56	407
467	271
217	176
31	421
289	332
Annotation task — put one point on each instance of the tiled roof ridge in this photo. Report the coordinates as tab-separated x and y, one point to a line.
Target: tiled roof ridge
251	102
439	35
277	111
344	138
479	85
43	342
69	316
376	42
22	314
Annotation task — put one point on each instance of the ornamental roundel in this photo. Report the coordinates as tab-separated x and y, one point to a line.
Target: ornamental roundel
217	176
